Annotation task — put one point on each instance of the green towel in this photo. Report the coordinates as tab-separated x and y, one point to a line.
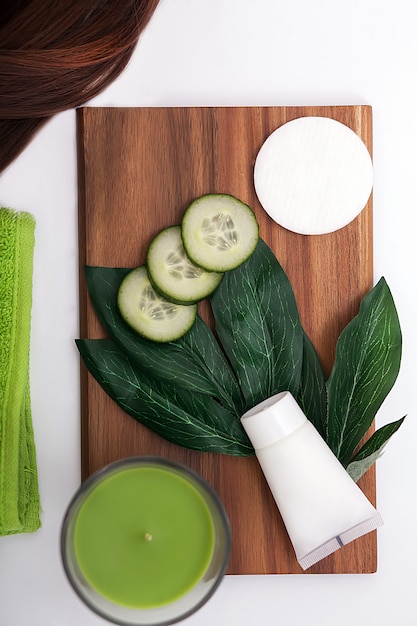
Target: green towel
19	495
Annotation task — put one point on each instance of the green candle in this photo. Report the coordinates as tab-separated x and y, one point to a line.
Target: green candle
143	537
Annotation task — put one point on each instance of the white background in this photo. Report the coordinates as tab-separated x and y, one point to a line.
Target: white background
232	52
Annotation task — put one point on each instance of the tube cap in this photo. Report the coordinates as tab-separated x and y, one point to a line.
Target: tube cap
272	420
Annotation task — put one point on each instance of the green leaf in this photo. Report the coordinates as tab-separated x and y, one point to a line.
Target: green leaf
312	394
189	419
372	450
258	325
193	362
368	355
378	440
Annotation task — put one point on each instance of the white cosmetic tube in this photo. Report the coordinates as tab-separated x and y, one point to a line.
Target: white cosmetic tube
320	504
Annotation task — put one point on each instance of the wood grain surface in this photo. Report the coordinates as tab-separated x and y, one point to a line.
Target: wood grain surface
138	171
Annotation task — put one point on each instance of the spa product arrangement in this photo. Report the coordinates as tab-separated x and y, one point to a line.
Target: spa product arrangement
330	274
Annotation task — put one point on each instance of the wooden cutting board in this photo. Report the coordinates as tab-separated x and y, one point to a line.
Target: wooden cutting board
138	170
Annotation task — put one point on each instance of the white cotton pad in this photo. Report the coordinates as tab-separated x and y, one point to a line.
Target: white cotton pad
313	175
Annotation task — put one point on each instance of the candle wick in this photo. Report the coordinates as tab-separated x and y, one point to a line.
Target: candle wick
148	537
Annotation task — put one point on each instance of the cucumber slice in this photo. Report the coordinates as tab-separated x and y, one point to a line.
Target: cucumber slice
148	313
219	232
172	273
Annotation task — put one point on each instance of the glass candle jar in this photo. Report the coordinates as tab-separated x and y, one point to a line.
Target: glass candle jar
145	541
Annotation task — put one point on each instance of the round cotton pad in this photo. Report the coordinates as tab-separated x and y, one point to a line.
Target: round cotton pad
313	175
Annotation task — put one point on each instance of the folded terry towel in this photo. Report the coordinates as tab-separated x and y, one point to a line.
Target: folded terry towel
19	495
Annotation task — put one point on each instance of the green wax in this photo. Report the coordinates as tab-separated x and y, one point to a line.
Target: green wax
144	537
